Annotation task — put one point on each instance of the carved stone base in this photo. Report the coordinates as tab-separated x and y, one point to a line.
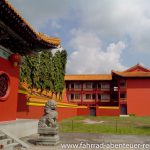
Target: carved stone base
48	131
48	140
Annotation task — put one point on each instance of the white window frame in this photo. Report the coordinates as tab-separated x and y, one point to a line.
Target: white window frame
88	94
105	98
77	86
105	85
88	85
77	96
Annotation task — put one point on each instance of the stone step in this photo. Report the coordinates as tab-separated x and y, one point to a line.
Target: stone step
17	140
6	141
2	136
12	146
10	142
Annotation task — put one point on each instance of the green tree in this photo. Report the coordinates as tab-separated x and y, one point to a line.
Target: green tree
57	71
24	71
33	63
45	71
63	62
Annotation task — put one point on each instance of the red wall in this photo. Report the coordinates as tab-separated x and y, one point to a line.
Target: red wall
82	111
36	112
107	112
32	112
66	113
138	97
8	107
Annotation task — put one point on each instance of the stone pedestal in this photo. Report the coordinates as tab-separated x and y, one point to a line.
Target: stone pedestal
48	140
47	126
48	136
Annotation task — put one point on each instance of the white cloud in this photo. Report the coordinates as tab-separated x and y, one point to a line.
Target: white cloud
104	21
88	56
118	19
55	25
57	49
110	19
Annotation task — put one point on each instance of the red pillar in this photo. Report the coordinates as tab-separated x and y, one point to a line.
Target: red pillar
81	93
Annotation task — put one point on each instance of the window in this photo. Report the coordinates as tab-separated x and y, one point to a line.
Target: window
105	85
93	96
94	85
4	85
88	96
72	96
105	97
99	96
123	83
115	88
72	86
88	85
122	95
67	86
77	96
77	86
99	85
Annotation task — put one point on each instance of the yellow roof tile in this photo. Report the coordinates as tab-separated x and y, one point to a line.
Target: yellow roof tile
88	77
132	74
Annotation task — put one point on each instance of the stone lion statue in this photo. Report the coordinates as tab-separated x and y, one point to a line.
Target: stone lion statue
48	120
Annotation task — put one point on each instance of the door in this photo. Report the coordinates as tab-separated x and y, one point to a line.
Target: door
123	109
92	111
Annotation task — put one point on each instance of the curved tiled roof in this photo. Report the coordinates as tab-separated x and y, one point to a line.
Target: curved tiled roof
11	18
137	67
132	74
89	77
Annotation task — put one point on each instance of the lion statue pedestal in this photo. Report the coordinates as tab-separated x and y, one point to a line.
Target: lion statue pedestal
47	126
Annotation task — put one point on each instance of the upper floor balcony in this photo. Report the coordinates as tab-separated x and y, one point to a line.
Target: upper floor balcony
88	86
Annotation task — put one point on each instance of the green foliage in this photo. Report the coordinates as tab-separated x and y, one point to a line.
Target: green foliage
44	71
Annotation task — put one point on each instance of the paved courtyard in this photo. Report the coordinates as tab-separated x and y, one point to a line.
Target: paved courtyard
84	139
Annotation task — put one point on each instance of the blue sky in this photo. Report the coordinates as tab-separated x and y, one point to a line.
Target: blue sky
99	35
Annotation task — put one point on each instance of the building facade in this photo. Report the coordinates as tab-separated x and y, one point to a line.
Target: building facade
129	91
17	38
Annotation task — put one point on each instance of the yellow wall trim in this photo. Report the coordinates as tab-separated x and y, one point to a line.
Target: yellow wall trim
108	107
58	105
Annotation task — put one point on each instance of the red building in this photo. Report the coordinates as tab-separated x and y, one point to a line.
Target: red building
17	38
118	93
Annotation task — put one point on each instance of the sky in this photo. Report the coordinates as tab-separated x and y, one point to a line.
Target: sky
99	35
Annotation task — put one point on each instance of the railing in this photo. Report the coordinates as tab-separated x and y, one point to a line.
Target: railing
75	100
123	100
88	100
105	89
105	100
88	89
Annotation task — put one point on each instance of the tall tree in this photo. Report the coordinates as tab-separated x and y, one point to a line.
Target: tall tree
33	63
57	72
45	71
63	62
